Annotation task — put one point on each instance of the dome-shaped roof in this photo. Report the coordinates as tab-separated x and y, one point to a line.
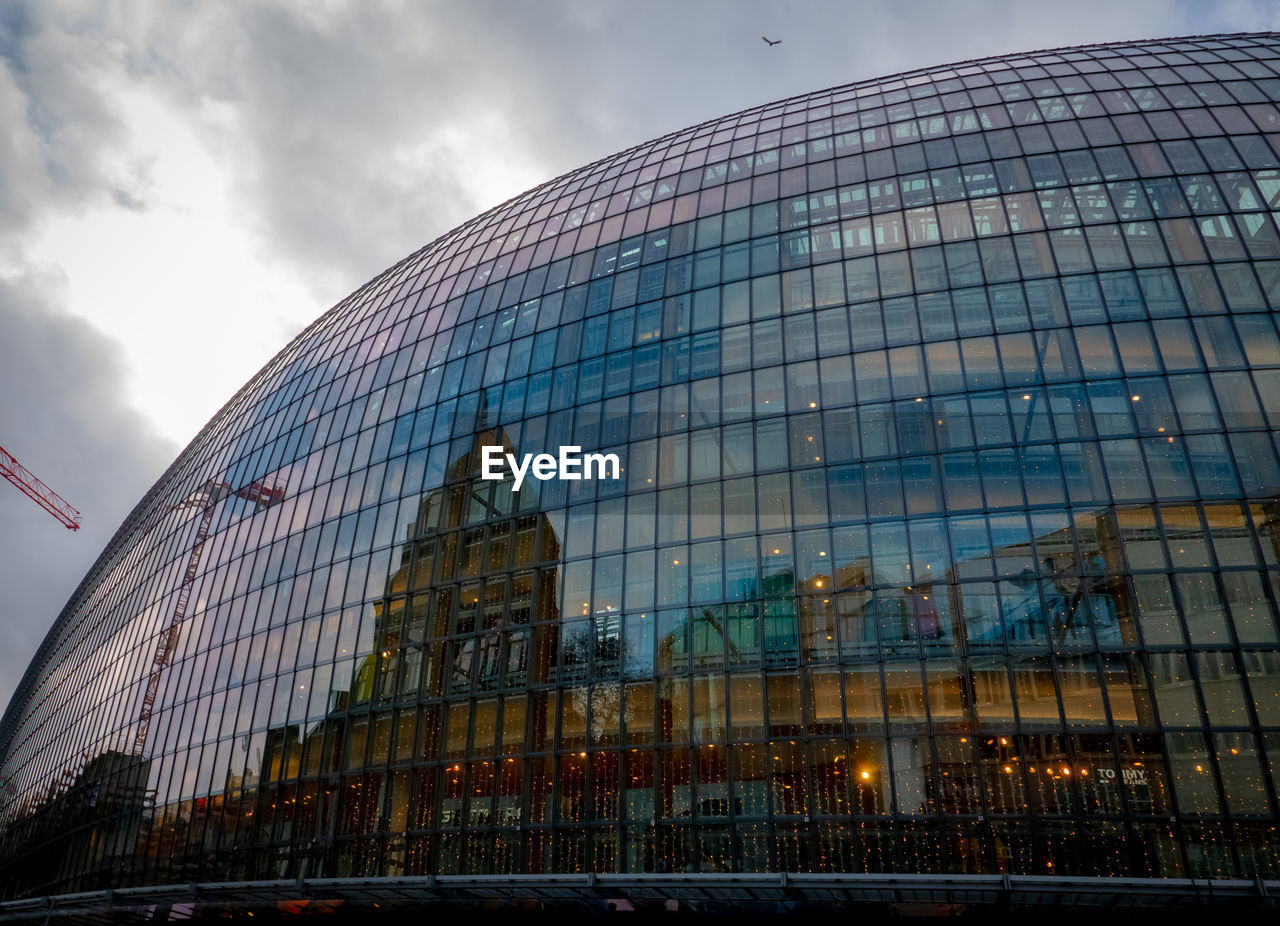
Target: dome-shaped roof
947	507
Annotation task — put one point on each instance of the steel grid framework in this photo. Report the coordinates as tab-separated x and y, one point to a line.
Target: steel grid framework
749	893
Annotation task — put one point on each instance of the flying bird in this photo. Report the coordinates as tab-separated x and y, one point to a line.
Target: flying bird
771	42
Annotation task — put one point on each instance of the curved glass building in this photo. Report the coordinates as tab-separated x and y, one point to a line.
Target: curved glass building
945	538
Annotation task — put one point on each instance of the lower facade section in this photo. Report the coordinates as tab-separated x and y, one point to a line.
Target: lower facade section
758	894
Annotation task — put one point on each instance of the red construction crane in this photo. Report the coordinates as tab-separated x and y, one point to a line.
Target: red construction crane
38	492
204	499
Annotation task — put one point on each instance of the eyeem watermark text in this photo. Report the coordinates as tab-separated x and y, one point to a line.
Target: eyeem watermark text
571	464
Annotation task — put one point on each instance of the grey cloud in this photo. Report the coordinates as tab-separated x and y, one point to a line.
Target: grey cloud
351	128
60	123
354	125
25	181
61	416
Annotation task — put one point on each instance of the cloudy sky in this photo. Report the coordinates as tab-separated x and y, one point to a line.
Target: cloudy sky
184	185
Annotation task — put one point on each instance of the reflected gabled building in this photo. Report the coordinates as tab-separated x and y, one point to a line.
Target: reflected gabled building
380	759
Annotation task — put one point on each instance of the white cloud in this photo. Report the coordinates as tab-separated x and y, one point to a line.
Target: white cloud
170	266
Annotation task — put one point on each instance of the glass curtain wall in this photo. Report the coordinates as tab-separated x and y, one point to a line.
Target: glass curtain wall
946	540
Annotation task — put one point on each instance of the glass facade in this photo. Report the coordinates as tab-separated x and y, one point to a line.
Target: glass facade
947	536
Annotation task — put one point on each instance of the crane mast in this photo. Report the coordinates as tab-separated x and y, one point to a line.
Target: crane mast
205	499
